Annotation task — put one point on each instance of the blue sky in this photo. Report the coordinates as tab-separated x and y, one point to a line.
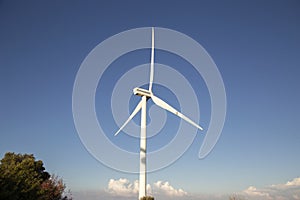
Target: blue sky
255	45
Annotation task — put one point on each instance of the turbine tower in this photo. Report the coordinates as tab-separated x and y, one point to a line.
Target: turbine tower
142	105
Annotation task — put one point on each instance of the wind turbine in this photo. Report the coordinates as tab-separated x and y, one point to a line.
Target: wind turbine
146	95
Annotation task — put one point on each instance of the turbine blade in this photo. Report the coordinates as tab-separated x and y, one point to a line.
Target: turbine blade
152	62
169	108
135	111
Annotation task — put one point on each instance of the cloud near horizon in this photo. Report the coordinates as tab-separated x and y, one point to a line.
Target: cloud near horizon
288	191
165	188
123	187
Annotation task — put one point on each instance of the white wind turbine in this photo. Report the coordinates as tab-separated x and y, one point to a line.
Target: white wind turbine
146	95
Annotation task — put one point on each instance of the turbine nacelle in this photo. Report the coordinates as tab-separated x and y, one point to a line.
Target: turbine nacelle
142	92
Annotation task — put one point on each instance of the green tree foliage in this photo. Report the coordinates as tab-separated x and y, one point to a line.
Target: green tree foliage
147	198
24	178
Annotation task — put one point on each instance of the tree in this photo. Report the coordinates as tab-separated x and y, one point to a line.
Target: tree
24	178
147	198
52	189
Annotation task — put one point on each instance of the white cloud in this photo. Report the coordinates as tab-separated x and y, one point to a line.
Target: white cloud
294	182
287	191
123	187
165	188
253	191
